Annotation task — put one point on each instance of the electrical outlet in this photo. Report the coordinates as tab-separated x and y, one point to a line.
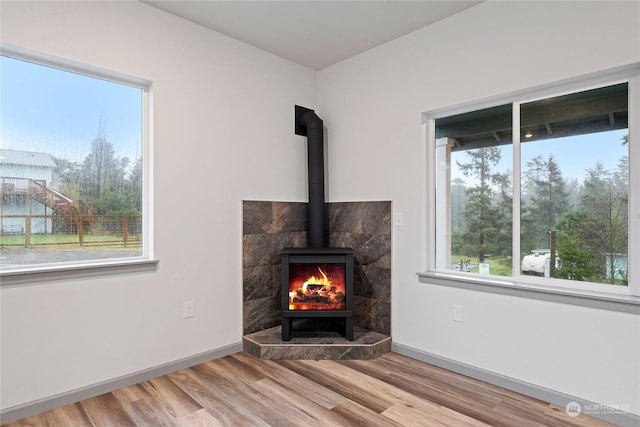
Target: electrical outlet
457	313
187	311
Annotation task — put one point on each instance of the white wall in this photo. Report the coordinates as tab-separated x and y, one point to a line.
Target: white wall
372	106
223	133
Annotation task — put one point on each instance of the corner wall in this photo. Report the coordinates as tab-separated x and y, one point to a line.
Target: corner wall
269	227
223	130
372	104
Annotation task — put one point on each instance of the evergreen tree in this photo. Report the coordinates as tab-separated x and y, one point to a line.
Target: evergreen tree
99	170
113	204
504	203
576	258
67	178
547	200
604	207
104	182
458	205
482	216
134	185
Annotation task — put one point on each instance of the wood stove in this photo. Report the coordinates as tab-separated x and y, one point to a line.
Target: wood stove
317	281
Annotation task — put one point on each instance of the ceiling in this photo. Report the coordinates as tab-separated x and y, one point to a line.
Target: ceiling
315	34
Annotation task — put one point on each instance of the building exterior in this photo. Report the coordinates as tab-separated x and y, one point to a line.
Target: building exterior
26	180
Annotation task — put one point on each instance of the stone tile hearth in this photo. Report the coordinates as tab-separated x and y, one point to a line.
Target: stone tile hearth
267	344
268	227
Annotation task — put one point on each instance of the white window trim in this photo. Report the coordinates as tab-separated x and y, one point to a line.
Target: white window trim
62	271
625	299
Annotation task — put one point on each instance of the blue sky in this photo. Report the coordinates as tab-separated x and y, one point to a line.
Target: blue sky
573	154
46	110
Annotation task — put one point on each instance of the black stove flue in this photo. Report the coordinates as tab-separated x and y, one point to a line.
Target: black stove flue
308	124
317	281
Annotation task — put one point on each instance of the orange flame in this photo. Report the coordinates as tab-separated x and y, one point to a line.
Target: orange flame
313	280
317	290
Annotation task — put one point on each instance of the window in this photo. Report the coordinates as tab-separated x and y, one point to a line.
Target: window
74	165
549	204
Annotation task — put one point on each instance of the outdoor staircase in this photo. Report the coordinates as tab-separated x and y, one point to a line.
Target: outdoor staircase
51	198
39	191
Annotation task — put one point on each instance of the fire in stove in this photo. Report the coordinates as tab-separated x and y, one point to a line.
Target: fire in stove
309	290
317	281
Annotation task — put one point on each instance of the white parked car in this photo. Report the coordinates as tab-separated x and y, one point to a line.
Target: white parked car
534	263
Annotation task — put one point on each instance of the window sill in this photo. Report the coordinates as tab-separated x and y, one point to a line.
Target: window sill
67	272
604	301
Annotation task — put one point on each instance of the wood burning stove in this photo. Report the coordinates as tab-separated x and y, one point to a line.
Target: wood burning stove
317	282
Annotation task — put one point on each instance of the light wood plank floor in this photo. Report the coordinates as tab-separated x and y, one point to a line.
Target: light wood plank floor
240	390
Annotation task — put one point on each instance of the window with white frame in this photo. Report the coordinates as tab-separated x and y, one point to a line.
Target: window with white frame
74	164
551	203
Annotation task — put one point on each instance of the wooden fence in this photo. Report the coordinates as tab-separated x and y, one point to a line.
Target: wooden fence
83	230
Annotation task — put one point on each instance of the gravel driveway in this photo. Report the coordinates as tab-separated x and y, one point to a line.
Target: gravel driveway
35	255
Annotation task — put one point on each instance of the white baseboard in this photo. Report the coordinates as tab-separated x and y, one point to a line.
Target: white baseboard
547	395
620	418
66	398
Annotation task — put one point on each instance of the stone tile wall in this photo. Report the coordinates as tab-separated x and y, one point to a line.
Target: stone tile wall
268	227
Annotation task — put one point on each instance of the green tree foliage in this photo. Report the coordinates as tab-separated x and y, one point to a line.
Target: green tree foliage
113	204
107	184
99	170
482	214
133	187
458	209
576	258
68	178
547	199
604	208
591	216
504	203
458	205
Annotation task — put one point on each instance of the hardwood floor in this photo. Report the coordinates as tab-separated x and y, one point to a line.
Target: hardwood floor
240	390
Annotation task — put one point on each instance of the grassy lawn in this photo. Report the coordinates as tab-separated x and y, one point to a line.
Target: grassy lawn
58	239
497	266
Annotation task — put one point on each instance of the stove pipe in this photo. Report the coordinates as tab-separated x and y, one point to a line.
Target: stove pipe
308	124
